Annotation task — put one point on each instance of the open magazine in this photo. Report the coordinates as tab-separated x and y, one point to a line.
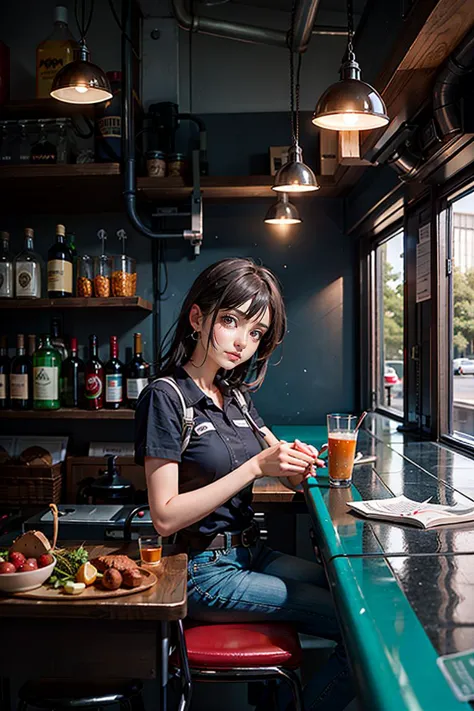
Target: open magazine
416	513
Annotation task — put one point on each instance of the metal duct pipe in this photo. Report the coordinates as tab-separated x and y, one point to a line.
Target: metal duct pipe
304	20
446	88
405	162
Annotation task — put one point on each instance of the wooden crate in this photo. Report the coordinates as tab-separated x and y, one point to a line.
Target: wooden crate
80	468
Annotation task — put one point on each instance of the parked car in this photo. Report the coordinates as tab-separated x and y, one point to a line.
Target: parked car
390	376
463	366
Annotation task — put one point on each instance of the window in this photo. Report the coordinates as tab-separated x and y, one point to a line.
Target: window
461	330
389	280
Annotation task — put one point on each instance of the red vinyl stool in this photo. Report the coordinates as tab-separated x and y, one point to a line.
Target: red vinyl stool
252	651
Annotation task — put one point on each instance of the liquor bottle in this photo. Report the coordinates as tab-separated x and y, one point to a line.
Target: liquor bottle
46	369
94	378
57	339
137	372
6	268
21	396
113	378
28	270
4	374
59	266
54	53
72	378
31	345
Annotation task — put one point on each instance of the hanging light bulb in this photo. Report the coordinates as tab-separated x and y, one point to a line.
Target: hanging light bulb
295	176
282	212
350	104
81	82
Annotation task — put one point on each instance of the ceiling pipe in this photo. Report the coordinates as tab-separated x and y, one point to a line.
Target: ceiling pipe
304	21
447	87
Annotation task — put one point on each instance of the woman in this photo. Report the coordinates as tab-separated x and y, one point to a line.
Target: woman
230	323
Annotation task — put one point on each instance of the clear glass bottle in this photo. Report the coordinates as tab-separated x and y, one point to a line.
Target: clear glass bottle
46	371
102	276
54	53
6	267
85	276
124	276
28	270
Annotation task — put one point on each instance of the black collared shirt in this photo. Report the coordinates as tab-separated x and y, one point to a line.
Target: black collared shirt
221	441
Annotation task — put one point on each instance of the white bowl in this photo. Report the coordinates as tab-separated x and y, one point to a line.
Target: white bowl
21	582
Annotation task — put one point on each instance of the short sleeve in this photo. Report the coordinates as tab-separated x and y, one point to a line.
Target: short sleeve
253	411
158	426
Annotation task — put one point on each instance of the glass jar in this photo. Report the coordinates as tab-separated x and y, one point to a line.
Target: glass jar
85	276
177	165
124	276
156	164
102	276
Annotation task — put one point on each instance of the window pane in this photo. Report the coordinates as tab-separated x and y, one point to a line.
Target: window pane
390	278
462	318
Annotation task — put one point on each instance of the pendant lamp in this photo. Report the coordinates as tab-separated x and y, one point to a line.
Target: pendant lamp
282	212
350	104
80	81
295	176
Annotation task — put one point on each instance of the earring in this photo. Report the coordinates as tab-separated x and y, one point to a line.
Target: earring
195	335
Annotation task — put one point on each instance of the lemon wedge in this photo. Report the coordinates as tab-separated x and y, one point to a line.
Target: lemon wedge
86	574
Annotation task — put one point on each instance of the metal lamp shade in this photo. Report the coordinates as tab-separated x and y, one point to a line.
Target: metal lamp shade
350	104
295	176
282	212
81	82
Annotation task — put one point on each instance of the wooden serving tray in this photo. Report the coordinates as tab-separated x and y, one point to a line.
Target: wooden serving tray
93	592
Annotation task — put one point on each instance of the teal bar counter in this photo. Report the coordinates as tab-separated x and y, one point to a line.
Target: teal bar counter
402	594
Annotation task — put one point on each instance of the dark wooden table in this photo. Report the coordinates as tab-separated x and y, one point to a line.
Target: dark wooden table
125	637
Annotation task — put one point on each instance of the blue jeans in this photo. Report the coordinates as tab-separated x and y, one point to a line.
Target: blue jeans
256	584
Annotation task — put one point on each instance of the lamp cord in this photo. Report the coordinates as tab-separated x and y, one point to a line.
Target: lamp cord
350	29
294	89
84	25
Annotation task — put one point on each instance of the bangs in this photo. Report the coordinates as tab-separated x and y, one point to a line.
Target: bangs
247	288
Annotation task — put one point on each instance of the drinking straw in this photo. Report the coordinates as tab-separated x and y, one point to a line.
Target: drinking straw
361	419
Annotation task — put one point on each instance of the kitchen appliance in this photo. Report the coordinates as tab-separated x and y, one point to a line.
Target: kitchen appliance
86	522
110	488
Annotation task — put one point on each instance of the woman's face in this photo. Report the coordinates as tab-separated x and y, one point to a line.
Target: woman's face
235	338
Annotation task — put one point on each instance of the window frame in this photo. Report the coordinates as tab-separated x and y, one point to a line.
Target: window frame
446	305
376	377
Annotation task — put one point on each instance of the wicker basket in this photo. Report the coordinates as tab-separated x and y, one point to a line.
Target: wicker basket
22	484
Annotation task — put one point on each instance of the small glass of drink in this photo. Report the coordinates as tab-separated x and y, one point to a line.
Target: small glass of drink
342	440
150	549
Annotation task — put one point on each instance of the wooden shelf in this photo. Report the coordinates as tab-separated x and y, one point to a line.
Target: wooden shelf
43	108
97	187
125	303
68	414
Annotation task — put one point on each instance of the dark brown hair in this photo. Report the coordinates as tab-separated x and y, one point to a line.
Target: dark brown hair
227	285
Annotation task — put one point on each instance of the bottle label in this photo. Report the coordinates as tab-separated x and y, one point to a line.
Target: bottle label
135	386
28	281
3	386
113	388
93	389
110	126
60	275
52	56
45	383
6	280
19	386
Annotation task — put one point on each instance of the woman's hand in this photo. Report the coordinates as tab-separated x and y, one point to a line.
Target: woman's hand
283	459
308	449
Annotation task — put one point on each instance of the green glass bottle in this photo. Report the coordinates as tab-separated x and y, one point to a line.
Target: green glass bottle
46	370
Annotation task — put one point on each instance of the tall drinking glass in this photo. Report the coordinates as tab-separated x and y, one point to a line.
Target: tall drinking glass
342	440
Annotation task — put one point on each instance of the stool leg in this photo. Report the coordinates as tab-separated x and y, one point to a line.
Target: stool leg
185	700
293	680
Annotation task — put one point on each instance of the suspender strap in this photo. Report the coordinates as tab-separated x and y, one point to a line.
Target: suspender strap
188	414
242	404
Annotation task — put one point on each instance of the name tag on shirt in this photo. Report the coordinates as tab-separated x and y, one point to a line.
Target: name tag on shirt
241	423
203	428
